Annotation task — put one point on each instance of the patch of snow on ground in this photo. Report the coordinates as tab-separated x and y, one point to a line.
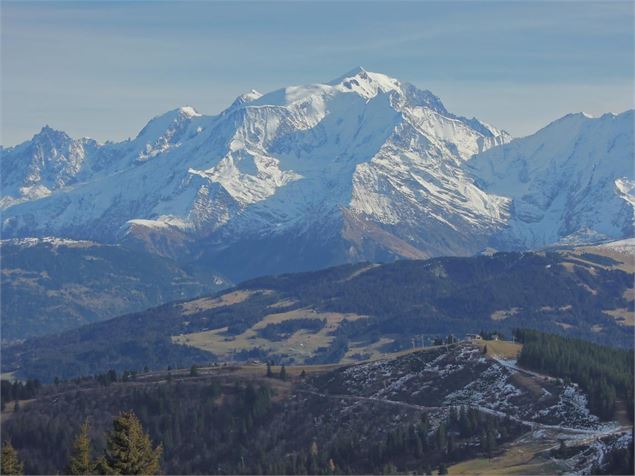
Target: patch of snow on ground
572	408
491	390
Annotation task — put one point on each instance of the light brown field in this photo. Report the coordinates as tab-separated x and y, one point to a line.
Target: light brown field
299	345
373	350
500	348
9	409
564	325
625	260
282	303
361	271
624	317
520	457
203	304
504	314
568	307
10	376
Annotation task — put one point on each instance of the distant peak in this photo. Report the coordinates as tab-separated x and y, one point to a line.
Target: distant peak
361	73
571	118
355	71
249	96
581	115
244	98
176	117
183	112
189	111
48	132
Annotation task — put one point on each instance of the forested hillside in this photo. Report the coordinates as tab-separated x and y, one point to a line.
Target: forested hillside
50	285
348	313
421	412
605	374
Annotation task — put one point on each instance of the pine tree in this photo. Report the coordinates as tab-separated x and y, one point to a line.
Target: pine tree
313	467
283	372
269	372
442	437
11	464
129	449
81	462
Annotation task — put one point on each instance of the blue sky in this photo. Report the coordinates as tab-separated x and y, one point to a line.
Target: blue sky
104	69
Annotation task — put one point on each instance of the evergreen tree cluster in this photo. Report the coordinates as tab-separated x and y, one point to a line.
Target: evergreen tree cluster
128	451
225	427
197	429
9	461
466	433
17	390
604	373
282	374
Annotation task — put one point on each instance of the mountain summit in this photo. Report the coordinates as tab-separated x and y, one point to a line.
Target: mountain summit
364	167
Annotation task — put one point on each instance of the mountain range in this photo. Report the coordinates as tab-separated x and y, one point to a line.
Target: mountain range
361	168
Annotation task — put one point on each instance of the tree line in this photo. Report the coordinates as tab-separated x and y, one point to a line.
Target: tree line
128	450
604	373
17	390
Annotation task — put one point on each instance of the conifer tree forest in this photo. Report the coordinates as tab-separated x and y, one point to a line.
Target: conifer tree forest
206	420
186	427
606	374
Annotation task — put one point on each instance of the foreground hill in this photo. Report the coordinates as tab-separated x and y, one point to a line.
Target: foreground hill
50	285
453	406
352	312
361	168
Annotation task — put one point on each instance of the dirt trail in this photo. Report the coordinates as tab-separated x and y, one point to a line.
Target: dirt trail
593	434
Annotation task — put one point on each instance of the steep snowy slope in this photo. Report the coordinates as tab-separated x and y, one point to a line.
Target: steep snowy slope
42	165
571	182
52	160
364	167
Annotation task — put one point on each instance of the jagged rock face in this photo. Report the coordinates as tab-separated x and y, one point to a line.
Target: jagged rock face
36	168
364	167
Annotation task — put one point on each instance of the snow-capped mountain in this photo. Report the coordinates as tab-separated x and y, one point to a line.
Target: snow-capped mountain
570	182
364	167
42	165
